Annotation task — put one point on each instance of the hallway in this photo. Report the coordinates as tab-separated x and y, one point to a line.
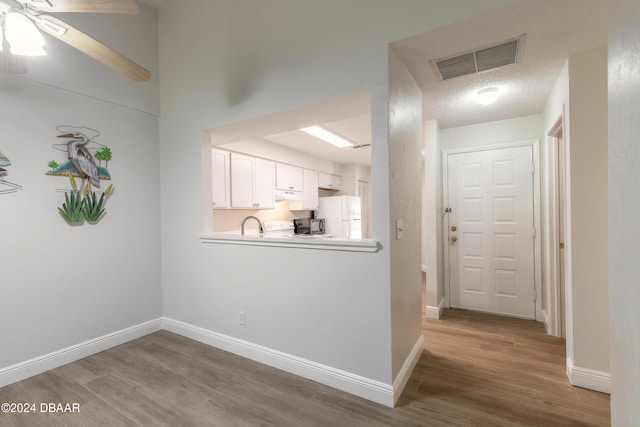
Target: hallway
479	369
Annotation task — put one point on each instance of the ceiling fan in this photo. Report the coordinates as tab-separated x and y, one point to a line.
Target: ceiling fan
19	36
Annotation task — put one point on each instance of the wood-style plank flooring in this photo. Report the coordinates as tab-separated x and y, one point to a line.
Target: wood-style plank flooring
475	370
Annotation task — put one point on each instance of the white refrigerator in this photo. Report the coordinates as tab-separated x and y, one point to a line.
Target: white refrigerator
342	216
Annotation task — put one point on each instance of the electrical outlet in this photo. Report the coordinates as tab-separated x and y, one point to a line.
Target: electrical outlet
242	318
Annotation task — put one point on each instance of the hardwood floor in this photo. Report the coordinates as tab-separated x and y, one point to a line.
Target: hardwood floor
475	370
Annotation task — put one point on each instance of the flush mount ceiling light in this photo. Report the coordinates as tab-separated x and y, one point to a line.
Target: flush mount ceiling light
488	95
328	136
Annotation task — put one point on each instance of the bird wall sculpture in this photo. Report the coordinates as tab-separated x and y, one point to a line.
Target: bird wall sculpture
5	185
84	204
81	161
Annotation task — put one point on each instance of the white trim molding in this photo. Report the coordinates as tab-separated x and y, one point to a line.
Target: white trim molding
38	365
376	391
431	312
319	243
588	378
407	368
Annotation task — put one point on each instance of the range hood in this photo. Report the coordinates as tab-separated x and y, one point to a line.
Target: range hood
289	195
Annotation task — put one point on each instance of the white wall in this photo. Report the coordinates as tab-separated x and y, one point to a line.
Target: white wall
556	108
580	95
509	130
405	189
588	241
247	59
624	210
63	285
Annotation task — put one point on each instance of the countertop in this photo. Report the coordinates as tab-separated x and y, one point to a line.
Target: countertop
320	241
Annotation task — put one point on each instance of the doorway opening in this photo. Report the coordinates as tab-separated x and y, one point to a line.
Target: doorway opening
556	234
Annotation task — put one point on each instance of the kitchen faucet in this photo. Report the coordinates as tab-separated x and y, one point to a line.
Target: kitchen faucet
260	228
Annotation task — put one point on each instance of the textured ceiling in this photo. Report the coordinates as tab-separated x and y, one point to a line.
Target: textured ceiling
555	30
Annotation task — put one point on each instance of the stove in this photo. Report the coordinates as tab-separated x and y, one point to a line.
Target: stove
281	228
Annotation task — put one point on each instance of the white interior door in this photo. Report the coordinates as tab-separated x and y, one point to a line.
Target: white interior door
491	231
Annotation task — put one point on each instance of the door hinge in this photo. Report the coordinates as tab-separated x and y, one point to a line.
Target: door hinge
535	296
533	168
534	231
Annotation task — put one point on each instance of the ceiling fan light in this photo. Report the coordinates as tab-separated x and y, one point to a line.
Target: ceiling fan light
328	136
488	95
23	36
27	50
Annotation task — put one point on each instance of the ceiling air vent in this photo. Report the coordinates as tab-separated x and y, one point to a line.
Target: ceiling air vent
487	58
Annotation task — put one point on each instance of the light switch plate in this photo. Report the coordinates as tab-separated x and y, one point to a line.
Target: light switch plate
399	229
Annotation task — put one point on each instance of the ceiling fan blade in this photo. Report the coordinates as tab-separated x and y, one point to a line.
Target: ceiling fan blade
97	6
92	47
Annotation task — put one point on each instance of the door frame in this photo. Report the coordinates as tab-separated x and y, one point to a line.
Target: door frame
537	257
556	308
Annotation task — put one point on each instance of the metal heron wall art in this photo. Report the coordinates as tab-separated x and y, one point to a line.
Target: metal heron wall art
6	186
84	204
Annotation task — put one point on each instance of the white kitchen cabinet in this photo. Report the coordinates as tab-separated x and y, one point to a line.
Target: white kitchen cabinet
221	179
288	177
329	181
252	182
264	187
310	189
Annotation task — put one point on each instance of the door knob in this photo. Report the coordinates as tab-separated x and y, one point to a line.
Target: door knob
454	228
454	239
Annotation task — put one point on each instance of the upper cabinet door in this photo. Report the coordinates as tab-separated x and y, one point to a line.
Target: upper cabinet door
264	184
288	177
242	178
329	181
221	176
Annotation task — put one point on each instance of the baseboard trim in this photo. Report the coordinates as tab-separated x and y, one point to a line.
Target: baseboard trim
588	378
375	391
431	312
545	321
38	365
407	368
366	388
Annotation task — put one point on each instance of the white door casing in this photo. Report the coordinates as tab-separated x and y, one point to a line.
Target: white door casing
491	266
